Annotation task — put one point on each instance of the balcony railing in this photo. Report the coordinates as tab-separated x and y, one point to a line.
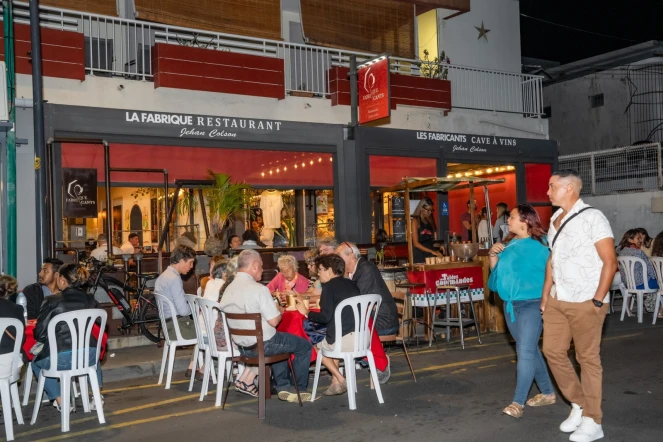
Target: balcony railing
122	47
623	170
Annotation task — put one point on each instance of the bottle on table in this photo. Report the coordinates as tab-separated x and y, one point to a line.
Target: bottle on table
23	302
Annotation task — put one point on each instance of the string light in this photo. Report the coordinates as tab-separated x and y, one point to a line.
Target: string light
331	159
285	168
311	162
295	166
319	160
270	172
303	164
458	175
277	170
262	174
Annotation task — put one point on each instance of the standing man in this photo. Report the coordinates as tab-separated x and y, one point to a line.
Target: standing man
574	304
368	278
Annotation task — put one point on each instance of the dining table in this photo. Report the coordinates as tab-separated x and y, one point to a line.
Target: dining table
292	322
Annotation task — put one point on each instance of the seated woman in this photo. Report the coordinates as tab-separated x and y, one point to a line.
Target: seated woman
335	289
314	287
71	278
203	282
288	281
8	288
630	245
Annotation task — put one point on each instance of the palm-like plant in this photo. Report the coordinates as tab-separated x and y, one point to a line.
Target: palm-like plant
224	199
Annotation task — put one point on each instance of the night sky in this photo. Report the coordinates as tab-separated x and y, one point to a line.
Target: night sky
632	21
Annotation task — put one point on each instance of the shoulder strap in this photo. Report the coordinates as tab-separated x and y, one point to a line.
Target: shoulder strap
566	222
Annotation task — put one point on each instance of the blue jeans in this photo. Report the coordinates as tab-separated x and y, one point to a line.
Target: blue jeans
526	330
387	331
52	385
286	343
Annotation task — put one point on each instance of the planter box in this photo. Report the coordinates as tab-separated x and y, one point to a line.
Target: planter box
63	52
199	69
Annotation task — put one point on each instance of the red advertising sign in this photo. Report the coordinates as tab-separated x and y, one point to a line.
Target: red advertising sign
374	90
472	276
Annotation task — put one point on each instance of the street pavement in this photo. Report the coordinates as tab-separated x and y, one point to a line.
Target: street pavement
458	396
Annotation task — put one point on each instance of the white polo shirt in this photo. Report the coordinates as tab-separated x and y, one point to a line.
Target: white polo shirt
245	295
576	264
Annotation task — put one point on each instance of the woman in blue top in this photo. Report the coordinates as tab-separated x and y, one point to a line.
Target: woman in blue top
518	271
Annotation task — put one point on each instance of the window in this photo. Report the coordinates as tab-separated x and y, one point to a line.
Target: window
596	100
547	112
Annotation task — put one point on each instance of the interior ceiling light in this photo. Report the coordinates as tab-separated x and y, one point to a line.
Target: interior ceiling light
270	172
262	174
458	175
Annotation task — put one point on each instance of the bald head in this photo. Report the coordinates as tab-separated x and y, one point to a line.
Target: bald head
350	254
249	261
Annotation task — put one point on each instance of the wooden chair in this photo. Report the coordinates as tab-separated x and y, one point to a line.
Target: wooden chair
401	300
263	362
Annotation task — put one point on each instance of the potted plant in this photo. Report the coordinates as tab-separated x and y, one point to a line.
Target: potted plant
224	199
434	68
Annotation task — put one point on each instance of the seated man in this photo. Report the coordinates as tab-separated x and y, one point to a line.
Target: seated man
170	285
246	295
47	286
129	247
101	252
327	245
249	241
369	280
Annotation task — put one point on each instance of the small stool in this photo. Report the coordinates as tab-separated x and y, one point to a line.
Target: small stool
449	321
409	300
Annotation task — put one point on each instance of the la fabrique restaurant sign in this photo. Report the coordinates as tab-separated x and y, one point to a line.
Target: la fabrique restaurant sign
204	126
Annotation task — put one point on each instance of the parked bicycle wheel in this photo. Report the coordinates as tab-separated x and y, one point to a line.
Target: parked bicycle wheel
150	324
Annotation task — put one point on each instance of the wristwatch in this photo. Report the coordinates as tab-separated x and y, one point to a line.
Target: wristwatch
597	303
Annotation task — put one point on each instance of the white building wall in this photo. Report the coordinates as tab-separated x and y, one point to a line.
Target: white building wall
141	95
502	49
629	211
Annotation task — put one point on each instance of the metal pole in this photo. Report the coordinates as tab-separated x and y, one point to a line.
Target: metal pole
488	214
164	232
165	214
41	195
204	210
50	193
109	207
8	21
354	116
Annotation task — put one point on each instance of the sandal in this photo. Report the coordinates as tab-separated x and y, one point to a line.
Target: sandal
244	388
514	410
542	399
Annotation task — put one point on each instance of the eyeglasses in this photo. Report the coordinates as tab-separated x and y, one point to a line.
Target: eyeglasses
348	246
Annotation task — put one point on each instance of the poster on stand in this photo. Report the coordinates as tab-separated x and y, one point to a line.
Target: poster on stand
79	193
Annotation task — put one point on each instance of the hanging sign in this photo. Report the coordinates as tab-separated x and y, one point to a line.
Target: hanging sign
79	190
374	90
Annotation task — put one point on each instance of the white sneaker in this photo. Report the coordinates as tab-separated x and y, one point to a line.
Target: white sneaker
57	407
587	431
574	420
93	405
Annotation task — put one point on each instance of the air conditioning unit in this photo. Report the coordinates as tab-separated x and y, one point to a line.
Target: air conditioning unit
4	108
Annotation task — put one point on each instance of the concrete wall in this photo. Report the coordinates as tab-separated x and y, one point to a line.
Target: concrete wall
576	125
629	211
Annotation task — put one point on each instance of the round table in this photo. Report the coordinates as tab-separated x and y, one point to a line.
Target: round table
293	322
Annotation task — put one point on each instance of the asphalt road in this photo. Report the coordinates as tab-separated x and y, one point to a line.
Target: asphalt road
458	397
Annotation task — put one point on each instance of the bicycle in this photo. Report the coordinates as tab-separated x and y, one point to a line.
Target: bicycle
145	314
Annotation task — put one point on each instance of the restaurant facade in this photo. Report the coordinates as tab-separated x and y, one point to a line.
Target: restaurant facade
326	175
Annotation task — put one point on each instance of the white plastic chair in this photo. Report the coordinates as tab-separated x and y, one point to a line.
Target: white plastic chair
627	264
202	346
364	308
618	285
8	383
80	323
171	344
658	266
207	308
